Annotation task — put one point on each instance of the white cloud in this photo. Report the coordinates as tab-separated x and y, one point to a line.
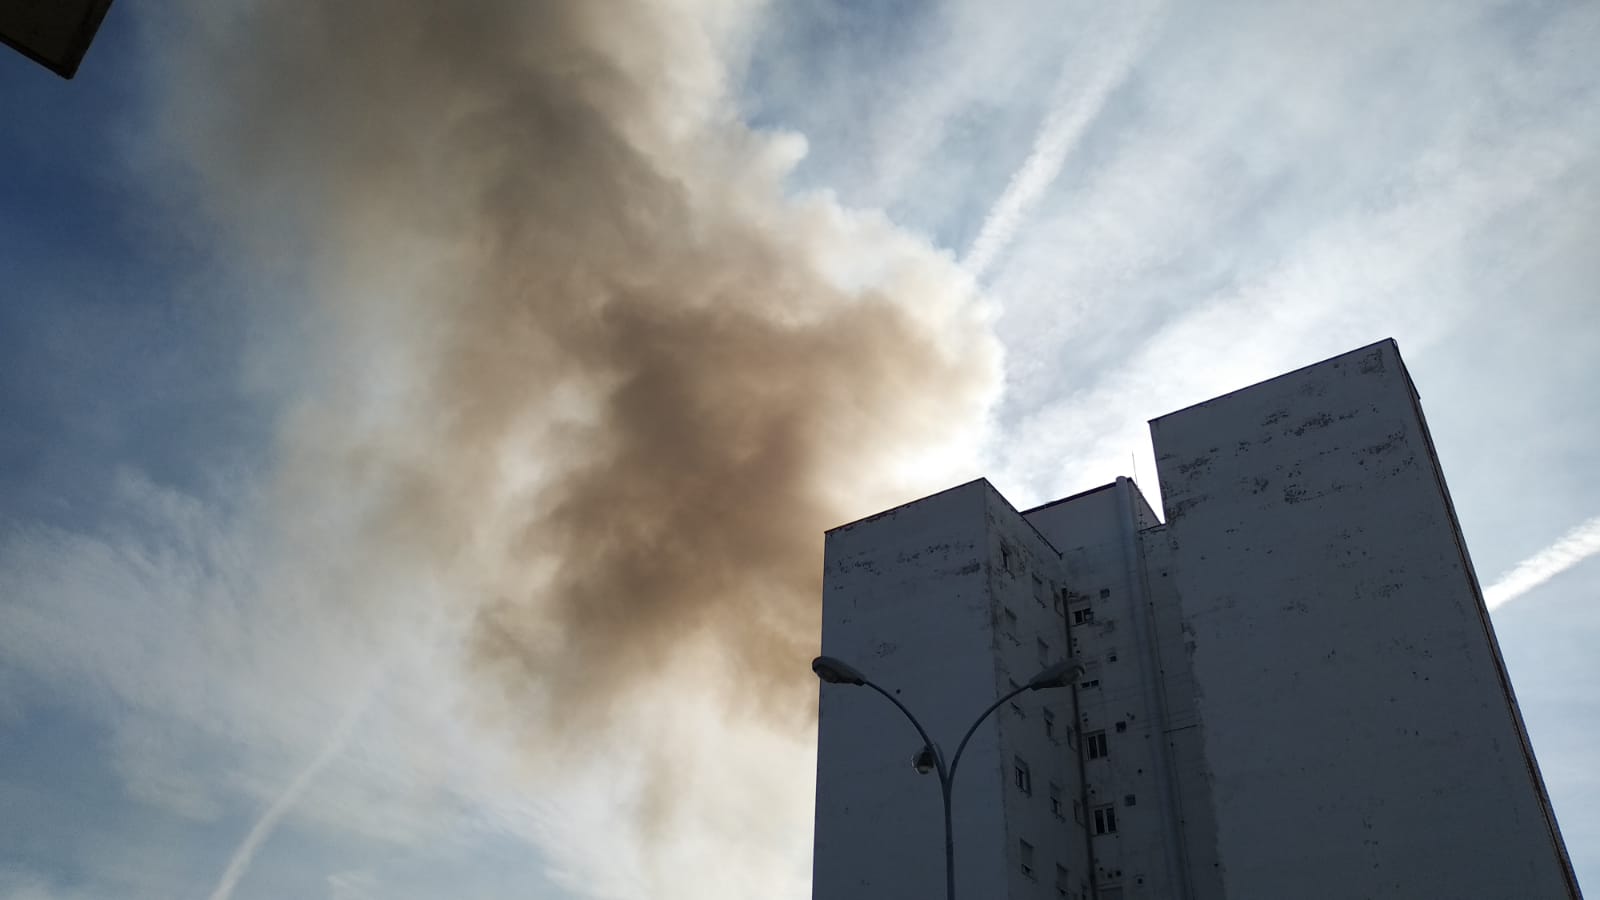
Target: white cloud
960	55
1078	97
1204	255
337	741
221	656
1577	545
357	884
1348	282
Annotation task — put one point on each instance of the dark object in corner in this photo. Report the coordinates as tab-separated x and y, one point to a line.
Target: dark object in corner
53	33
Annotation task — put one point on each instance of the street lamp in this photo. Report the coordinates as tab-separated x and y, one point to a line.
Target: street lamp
930	757
835	671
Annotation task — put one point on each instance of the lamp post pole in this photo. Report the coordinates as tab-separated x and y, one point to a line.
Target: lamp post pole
833	671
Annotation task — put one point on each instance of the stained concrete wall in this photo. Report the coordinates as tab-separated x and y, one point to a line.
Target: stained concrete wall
1098	533
1183	732
1031	634
1361	738
917	598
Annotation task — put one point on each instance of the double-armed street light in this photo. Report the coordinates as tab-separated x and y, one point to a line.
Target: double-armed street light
930	757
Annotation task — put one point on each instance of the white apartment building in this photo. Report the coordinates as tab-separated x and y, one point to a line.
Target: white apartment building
1290	688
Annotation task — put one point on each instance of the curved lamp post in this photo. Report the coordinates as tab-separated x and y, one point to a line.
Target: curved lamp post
834	671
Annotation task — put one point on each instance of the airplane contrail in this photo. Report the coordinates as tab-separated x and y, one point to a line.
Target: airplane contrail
338	739
1077	106
1574	547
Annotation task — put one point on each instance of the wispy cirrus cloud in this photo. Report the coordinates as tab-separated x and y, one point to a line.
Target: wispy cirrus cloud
1240	221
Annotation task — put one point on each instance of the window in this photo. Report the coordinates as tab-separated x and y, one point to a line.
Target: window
1055	802
1022	776
1122	726
1104	593
1095	745
1026	852
1044	653
1049	724
1083	616
1063	880
1105	819
1072	737
1060	603
1091	683
1038	590
1129	799
1077	811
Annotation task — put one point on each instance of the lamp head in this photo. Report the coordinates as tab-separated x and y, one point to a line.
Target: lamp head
1059	675
925	761
834	671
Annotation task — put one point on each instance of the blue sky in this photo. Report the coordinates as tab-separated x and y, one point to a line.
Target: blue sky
207	633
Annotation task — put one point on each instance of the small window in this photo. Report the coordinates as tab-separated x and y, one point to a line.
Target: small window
1063	880
1083	616
1005	557
1022	777
1060	603
1091	683
1128	799
1077	811
1072	737
1104	593
1055	802
1049	724
1122	726
1094	745
1044	653
1026	852
1105	819
1038	590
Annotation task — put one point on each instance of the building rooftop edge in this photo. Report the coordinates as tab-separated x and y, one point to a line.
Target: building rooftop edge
966	484
899	506
1292	372
1070	497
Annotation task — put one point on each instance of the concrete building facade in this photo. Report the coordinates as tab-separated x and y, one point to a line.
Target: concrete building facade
1289	688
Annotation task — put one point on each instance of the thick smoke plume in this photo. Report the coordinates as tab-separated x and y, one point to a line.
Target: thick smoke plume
590	362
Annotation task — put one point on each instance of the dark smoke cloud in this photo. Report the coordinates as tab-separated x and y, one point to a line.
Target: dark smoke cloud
626	381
